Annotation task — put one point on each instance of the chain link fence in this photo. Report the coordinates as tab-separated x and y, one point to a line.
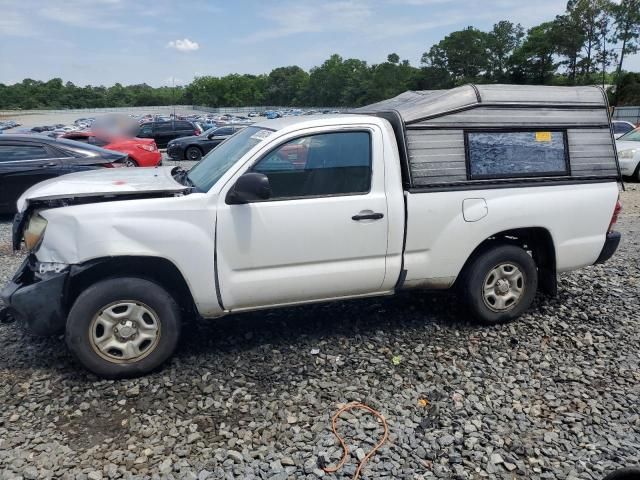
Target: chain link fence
630	114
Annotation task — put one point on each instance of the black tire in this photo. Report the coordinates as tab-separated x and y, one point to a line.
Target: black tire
100	297
478	273
624	474
193	154
130	162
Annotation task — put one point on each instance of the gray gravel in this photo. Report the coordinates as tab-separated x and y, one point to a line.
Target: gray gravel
553	395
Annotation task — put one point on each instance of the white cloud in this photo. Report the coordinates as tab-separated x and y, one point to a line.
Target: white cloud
184	45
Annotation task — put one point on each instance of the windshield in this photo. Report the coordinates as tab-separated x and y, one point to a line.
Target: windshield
214	165
632	136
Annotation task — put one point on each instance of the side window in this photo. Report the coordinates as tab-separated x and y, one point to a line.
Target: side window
224	131
146	129
324	164
184	126
12	153
516	154
621	127
163	127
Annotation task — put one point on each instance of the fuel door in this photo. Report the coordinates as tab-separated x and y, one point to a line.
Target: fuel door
474	209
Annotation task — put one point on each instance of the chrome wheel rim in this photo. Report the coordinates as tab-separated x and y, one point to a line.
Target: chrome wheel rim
193	154
129	163
503	287
125	331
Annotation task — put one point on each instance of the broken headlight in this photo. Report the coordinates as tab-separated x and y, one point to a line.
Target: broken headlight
34	232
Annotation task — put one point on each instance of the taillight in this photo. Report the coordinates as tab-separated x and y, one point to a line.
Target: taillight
148	148
616	213
197	132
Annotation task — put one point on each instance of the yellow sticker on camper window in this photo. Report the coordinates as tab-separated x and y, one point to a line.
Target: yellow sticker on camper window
543	136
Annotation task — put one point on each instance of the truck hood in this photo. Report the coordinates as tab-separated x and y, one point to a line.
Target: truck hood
104	182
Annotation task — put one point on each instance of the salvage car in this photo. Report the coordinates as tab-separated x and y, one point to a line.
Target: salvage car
29	159
486	188
193	148
629	153
141	152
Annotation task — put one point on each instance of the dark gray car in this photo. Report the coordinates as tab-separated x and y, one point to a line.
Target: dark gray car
195	147
29	159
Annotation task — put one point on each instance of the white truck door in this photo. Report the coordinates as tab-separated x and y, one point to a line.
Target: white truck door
323	232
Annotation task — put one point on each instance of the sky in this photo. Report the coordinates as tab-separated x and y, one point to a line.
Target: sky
158	42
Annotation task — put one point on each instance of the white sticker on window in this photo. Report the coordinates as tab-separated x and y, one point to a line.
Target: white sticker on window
261	134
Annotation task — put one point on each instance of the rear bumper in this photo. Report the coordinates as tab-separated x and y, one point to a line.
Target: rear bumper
610	246
37	300
149	159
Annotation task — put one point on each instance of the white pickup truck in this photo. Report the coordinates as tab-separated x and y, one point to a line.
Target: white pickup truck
493	189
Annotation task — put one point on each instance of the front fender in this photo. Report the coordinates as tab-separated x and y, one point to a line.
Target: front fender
178	229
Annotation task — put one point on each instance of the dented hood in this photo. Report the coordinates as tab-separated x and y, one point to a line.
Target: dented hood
110	182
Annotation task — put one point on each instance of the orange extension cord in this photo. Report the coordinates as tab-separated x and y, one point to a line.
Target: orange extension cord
353	406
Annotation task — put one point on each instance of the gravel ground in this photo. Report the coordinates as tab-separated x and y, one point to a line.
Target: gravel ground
553	395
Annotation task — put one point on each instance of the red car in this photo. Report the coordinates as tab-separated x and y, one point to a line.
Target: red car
142	152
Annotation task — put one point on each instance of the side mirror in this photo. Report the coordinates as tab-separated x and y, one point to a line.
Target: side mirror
250	187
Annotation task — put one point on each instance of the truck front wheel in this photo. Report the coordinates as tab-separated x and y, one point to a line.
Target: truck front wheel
123	327
500	284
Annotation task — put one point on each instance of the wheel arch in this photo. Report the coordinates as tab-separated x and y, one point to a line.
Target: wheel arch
193	145
156	269
537	240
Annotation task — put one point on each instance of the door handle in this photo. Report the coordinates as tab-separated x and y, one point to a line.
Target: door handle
50	164
367	216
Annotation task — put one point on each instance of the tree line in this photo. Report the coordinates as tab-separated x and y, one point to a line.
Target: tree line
587	44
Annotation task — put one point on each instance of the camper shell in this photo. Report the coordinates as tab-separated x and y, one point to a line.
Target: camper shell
433	129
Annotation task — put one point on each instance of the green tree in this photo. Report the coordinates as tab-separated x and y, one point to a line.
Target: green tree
502	41
533	61
628	91
286	86
626	17
463	54
338	82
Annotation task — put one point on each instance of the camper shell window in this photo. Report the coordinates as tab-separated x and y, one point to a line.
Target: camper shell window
516	154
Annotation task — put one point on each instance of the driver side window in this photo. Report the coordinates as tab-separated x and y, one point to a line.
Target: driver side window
319	165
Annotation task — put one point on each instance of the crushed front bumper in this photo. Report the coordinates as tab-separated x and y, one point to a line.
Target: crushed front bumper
37	300
610	247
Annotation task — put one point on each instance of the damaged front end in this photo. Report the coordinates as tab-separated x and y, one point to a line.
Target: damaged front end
35	296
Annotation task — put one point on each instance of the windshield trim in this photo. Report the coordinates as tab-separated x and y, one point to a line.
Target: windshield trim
631	132
237	161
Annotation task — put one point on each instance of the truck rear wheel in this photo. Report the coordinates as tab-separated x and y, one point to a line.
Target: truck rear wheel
123	327
500	284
